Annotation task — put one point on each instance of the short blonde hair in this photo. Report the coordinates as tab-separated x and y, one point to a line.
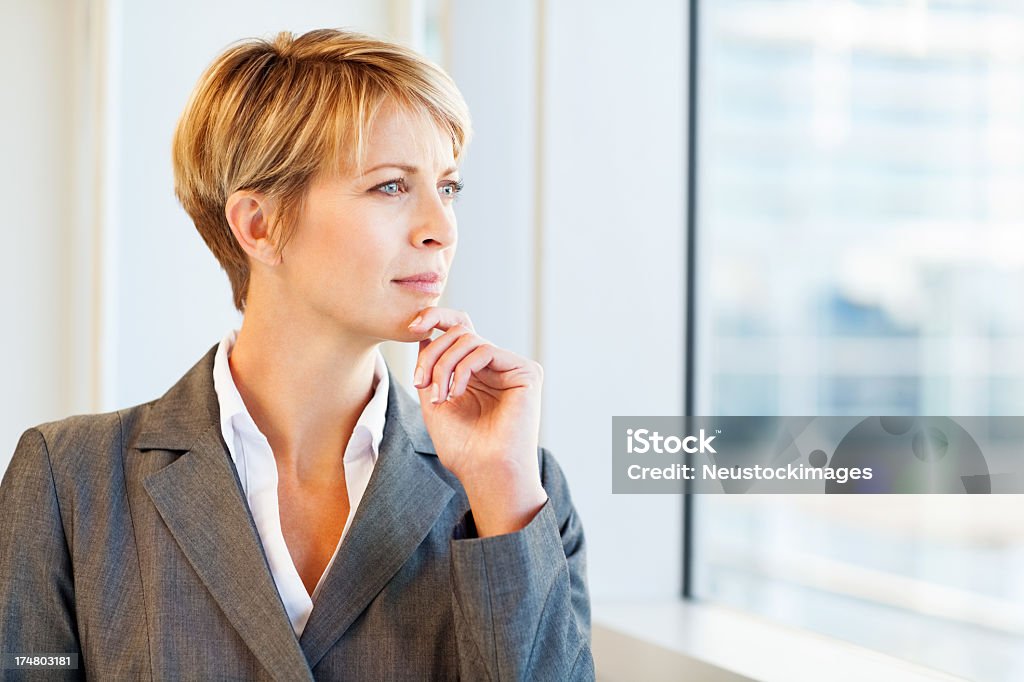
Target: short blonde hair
272	115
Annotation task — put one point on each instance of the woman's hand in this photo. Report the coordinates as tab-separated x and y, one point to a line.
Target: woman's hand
485	426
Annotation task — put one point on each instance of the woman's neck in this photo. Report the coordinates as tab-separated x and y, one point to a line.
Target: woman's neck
305	389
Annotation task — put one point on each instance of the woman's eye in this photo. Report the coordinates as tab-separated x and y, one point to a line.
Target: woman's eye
391	187
451	189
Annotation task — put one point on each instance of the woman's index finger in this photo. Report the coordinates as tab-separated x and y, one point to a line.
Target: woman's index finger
443	319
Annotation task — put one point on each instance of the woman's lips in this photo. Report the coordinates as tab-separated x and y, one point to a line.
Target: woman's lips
421	286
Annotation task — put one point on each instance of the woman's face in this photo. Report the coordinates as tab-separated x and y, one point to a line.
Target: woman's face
360	233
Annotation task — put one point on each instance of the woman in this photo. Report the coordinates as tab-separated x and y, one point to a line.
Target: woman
287	510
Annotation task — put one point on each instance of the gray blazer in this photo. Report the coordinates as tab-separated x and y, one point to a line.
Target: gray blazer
125	538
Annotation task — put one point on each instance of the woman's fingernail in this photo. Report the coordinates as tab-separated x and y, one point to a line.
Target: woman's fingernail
416	321
418	379
435	394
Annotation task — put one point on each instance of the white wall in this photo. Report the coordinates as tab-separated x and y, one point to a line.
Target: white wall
613	266
35	73
491	55
603	256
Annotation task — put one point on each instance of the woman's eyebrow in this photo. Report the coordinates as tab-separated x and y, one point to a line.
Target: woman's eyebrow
412	170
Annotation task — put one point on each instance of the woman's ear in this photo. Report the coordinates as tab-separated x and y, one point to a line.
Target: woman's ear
248	215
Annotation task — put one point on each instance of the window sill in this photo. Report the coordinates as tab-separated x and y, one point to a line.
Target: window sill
717	642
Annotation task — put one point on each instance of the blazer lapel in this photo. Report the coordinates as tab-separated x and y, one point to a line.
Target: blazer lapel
200	499
403	499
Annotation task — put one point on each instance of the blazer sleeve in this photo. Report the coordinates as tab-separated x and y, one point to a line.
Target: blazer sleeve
522	610
37	597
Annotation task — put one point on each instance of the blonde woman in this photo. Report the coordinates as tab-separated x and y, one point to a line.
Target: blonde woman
287	510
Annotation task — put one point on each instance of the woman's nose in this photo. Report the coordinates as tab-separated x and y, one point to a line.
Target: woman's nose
435	223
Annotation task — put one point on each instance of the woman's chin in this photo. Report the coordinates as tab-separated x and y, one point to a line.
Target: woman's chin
404	335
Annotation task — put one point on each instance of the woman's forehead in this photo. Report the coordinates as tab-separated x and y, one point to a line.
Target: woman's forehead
407	137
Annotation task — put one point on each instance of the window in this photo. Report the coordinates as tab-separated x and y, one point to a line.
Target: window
860	241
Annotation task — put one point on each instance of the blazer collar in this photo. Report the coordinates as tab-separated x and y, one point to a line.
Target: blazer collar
199	497
176	420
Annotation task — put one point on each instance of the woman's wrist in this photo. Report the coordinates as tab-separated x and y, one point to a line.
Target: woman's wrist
504	503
